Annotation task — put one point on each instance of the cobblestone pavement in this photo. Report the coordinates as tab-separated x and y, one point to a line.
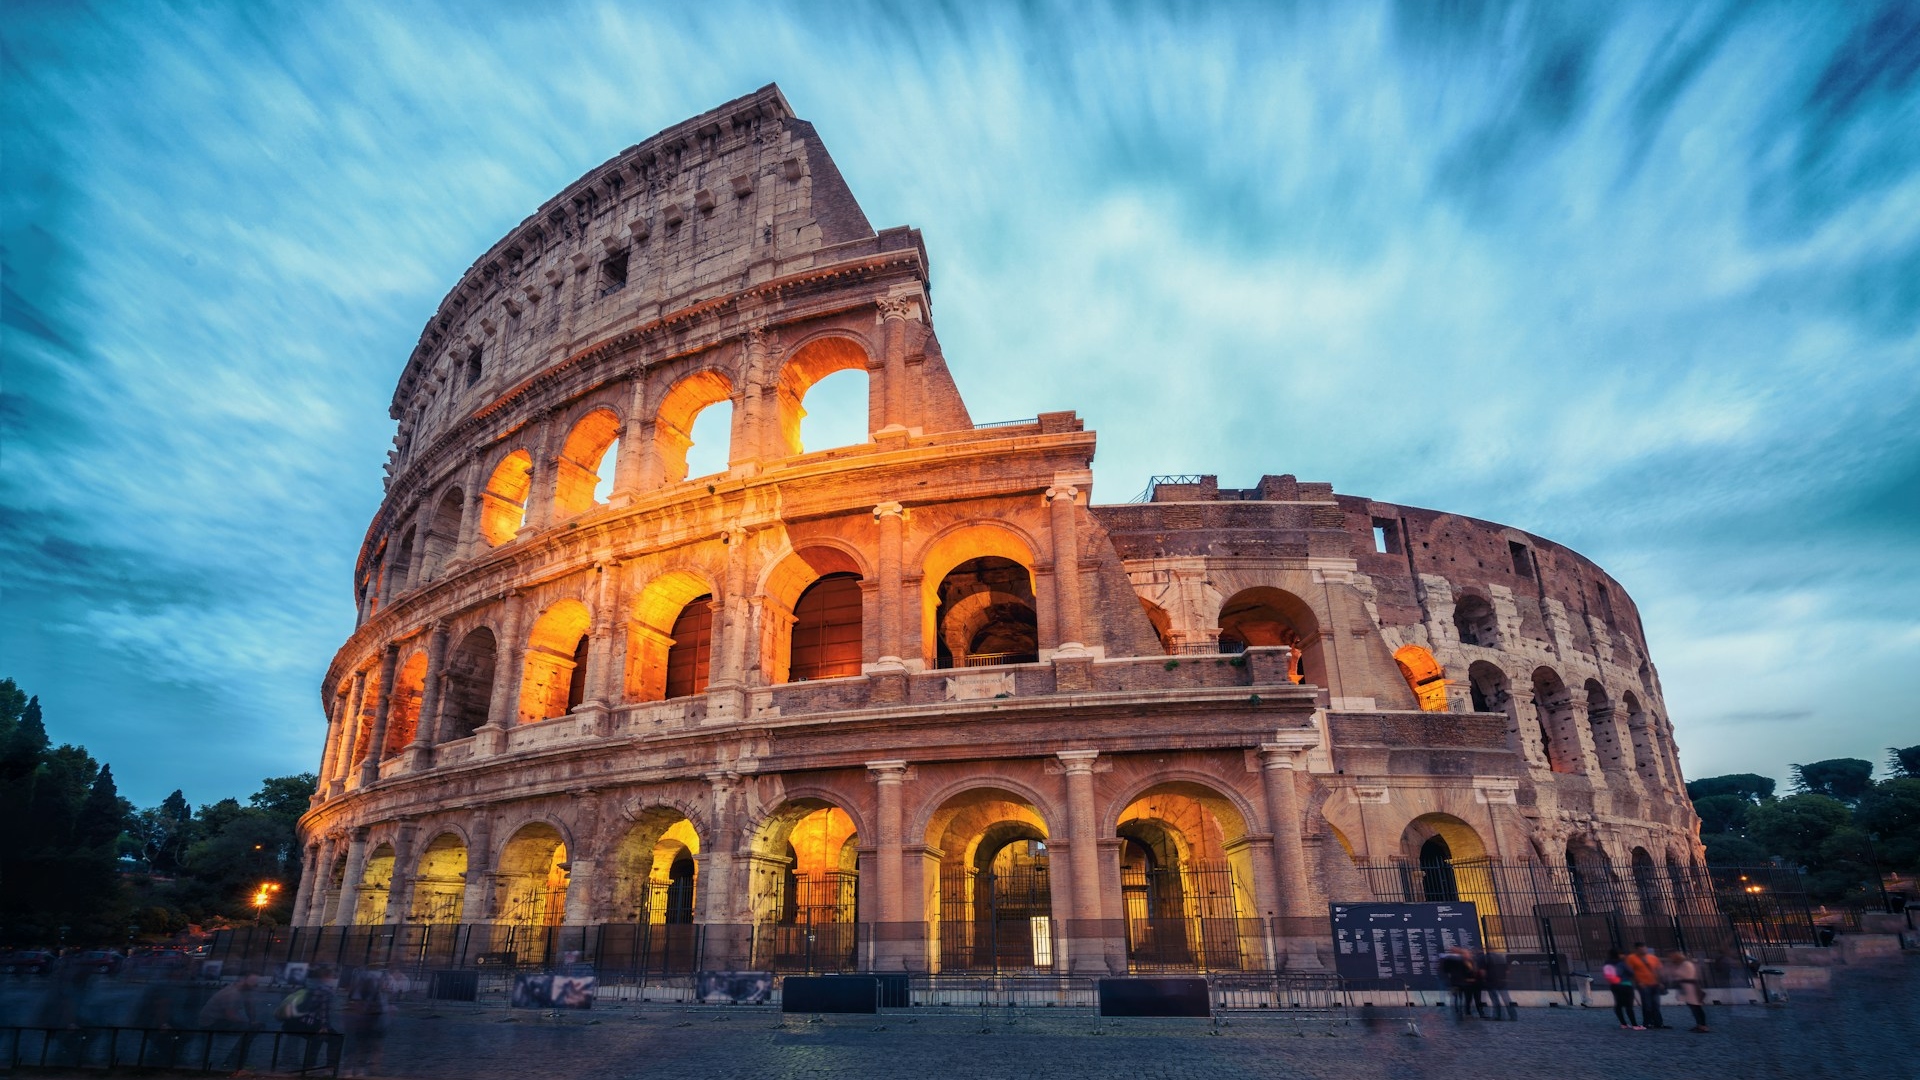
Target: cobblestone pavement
1868	1026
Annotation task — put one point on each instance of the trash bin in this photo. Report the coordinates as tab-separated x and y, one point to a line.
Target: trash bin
1824	936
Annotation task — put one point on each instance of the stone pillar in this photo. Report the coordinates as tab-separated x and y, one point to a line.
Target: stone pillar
543	482
889	872
1066	568
894	313
634	437
1283	760
426	735
581	858
503	706
1086	932
723	909
416	573
349	735
350	882
316	913
476	906
336	719
303	899
400	889
891	517
377	746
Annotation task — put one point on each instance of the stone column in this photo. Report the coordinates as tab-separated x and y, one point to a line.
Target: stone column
400	888
1066	568
476	906
416	573
581	857
889	873
542	483
316	913
331	749
377	746
349	736
1086	933
503	706
894	313
1283	760
350	882
723	910
634	437
426	735
891	517
303	899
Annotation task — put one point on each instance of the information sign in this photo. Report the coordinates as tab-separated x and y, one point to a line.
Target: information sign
1392	945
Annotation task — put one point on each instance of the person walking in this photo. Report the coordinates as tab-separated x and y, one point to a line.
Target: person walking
308	1012
369	1008
232	1008
1493	975
1457	968
1645	966
1619	980
1685	976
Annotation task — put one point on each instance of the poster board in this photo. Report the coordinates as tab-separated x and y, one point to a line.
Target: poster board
1393	945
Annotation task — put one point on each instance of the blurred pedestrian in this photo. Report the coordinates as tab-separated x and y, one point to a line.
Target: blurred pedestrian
232	1008
1457	968
368	1010
308	1012
1645	966
1619	980
1493	976
1684	974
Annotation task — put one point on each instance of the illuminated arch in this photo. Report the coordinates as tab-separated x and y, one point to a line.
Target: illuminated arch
1451	860
1186	877
1264	615
587	460
946	553
650	638
376	886
552	681
503	503
531	876
1424	675
656	869
786	582
804	885
810	363
403	716
673	423
440	881
993	906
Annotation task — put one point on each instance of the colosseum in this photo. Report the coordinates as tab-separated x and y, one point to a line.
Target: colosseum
918	703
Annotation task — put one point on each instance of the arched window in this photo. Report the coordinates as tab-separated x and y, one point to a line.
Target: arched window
1475	622
398	570
1436	872
829	375
690	656
556	651
696	412
503	507
472	367
826	629
1424	676
469	684
443	533
586	465
987	615
1553	711
1267	616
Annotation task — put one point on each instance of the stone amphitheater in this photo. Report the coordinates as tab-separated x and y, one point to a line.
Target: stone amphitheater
917	703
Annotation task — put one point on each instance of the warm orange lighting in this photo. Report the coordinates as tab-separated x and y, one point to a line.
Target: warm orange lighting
264	894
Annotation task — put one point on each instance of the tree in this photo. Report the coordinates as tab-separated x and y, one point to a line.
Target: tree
1732	849
1749	786
1845	779
1723	813
1795	827
1904	761
1891	812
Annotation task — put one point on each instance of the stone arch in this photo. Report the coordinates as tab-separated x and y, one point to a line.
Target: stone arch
403	715
443	532
1645	760
657	610
1186	875
786	582
1553	711
964	544
440	879
992	907
586	463
806	365
1604	727
1162	624
532	875
503	502
1476	622
1492	691
552	681
1647	888
471	670
656	869
673	422
803	884
1447	860
1424	675
400	567
376	886
1264	615
1589	876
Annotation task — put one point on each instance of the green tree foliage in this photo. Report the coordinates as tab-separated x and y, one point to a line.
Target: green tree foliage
1890	814
1903	762
215	859
1748	786
1723	814
59	847
1845	779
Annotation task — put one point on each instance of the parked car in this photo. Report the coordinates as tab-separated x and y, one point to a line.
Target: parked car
26	962
101	961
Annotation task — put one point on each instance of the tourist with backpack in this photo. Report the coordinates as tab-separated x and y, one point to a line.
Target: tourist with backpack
308	1012
1619	980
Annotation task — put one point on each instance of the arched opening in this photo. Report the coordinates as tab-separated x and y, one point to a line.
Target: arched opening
532	878
556	651
1603	728
1645	760
1589	879
670	638
376	885
1162	626
1553	711
987	615
585	469
469	687
804	889
1646	883
403	716
689	419
951	553
1446	861
830	374
1267	616
369	711
443	533
1492	692
1186	881
1474	620
655	892
826	629
1436	872
440	883
401	566
1424	676
993	909
503	503
814	624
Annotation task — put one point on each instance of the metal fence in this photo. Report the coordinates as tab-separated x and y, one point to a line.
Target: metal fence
171	1049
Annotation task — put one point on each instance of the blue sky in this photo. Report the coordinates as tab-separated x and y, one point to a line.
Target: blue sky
1644	279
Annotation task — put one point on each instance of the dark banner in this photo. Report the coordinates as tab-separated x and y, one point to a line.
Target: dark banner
1391	945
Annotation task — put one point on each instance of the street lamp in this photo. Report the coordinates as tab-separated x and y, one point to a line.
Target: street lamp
262	897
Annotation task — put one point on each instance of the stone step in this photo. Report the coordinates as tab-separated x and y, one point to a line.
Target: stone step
1868	948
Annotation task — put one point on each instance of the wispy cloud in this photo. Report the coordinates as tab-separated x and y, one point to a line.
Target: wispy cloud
1641	278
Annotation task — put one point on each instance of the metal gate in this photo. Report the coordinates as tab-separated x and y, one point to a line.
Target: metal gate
1182	919
814	929
996	922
